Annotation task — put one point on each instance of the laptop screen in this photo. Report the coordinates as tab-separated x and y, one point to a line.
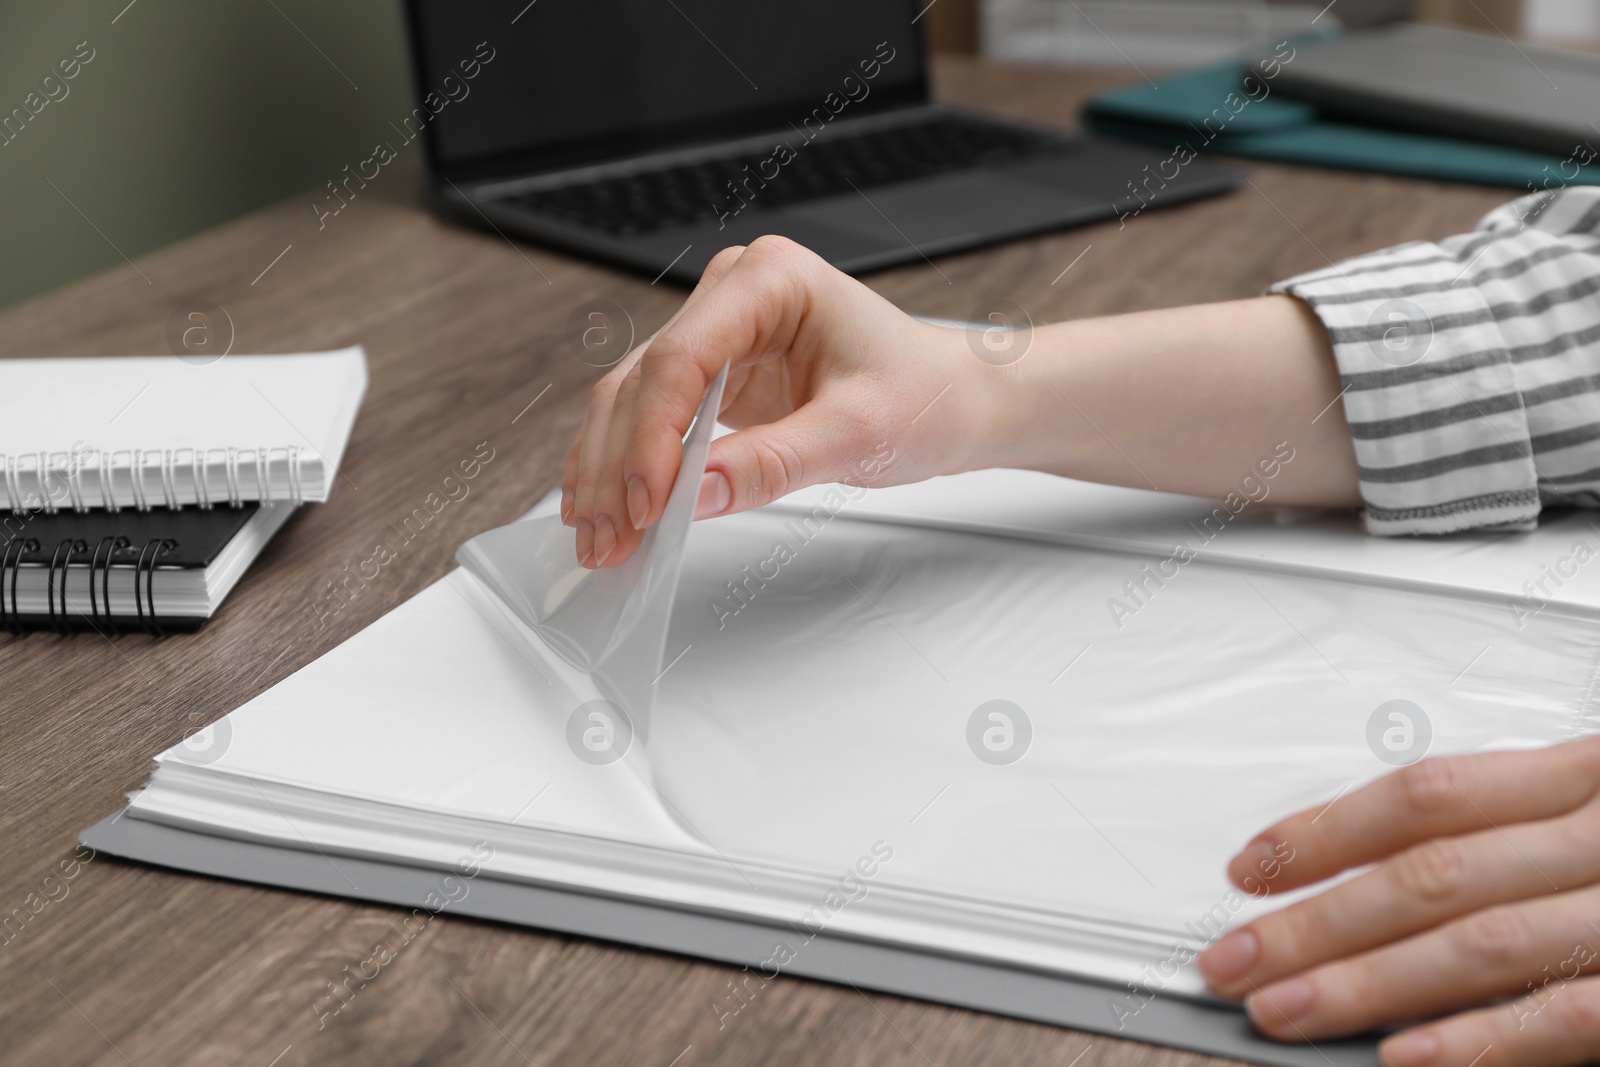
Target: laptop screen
513	86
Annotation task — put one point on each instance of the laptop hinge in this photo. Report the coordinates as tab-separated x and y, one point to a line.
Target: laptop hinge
794	136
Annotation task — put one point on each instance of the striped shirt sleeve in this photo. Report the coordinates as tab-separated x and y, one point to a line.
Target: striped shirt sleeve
1471	367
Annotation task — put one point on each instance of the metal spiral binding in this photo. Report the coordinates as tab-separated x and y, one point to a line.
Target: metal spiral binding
262	458
202	491
296	490
169	478
60	561
230	470
10	562
152	550
75	484
13	481
108	498
101	560
110	546
136	468
42	468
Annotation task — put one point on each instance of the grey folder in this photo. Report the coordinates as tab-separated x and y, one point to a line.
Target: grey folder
1219	1030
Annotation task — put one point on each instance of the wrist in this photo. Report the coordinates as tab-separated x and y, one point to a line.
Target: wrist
980	410
1024	408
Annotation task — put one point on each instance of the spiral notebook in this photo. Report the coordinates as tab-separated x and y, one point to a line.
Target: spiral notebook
161	431
159	570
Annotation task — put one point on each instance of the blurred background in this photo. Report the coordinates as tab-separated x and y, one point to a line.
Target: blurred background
192	112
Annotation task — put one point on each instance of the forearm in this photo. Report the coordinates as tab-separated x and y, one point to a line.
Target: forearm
1186	400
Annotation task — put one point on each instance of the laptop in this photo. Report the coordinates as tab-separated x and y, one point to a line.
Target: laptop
650	134
1454	83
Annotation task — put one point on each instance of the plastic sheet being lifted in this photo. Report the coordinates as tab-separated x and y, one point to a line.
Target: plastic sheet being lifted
602	632
1023	726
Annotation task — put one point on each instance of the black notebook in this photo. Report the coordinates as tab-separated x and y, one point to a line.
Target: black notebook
155	570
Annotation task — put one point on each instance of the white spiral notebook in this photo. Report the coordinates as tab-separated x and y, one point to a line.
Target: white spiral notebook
161	431
901	754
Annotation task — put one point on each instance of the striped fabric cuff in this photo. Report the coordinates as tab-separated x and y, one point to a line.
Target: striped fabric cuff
1441	433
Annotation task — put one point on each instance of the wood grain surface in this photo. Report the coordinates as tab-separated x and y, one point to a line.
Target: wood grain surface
467	337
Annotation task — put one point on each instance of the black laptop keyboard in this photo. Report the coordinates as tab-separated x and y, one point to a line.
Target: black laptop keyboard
643	202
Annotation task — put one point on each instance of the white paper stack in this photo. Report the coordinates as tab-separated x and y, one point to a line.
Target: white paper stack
889	721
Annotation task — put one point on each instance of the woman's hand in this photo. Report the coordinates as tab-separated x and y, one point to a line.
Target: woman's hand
828	382
1486	887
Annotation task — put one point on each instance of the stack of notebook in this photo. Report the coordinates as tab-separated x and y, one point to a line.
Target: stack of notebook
989	740
137	497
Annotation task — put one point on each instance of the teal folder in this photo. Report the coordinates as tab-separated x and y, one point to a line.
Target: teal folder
1210	109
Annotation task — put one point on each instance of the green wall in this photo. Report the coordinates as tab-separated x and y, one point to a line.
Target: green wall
189	113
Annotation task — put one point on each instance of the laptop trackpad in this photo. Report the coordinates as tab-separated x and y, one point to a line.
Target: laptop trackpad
941	209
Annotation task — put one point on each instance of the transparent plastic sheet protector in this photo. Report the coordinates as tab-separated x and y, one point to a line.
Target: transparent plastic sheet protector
964	715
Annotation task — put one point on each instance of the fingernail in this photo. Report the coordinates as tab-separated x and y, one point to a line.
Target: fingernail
566	507
605	539
1415	1048
1284	1002
638	502
585	541
715	495
1231	958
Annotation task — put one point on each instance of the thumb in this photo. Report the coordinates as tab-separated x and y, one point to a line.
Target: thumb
763	463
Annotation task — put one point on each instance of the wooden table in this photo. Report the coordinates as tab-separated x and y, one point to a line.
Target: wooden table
467	336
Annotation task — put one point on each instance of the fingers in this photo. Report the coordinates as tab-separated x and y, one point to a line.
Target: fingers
569	474
752	313
1491	953
596	417
591	447
613	535
1557	1025
1432	798
1413	891
754	467
595	517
